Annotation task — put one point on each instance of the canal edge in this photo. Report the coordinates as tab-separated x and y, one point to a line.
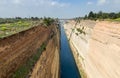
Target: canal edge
74	50
78	62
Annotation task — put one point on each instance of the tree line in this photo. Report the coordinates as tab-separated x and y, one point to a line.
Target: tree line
46	20
102	15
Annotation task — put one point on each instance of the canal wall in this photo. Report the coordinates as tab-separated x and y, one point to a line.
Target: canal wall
97	52
17	49
79	42
48	63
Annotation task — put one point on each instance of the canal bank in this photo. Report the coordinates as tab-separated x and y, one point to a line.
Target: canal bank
79	43
67	63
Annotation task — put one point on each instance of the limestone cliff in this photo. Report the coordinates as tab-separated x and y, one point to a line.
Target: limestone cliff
98	50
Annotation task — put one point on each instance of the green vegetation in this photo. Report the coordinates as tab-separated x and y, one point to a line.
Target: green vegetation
7	29
102	16
3	28
116	20
17	19
80	31
9	26
26	68
77	34
48	21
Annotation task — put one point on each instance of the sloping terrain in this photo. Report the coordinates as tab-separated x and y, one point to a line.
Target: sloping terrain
98	50
48	63
16	49
103	58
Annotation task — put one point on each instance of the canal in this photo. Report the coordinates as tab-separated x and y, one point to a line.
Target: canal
67	63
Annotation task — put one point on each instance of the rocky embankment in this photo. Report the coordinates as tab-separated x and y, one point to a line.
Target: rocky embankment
15	50
48	64
97	51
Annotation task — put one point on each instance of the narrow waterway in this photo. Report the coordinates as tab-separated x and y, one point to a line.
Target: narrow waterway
67	62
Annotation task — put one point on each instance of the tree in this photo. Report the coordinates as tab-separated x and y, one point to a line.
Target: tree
91	15
105	15
119	15
112	15
102	15
48	21
85	17
18	18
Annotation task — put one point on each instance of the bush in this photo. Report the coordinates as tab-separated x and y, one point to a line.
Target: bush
81	31
3	28
48	21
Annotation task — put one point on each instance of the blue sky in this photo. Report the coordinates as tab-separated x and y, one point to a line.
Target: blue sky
56	8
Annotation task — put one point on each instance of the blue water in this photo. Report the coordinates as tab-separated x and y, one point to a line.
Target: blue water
67	62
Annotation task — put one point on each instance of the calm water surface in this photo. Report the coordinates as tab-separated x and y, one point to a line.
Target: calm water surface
67	62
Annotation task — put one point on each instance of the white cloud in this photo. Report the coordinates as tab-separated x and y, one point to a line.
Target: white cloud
55	3
109	2
89	3
52	3
117	1
101	2
16	1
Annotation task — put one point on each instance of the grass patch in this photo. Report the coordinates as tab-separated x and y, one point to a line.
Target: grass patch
118	19
8	29
25	69
113	20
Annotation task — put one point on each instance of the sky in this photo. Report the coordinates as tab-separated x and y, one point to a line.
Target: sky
56	8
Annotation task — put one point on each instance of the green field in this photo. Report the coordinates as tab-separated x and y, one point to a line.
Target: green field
9	26
113	20
118	19
8	29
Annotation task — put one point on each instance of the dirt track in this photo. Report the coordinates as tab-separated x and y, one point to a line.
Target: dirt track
16	49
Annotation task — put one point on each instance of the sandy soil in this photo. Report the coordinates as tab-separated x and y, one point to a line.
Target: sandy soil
99	48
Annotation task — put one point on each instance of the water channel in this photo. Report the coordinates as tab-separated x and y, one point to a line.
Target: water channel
67	63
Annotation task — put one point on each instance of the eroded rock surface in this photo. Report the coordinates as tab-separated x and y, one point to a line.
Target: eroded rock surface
99	49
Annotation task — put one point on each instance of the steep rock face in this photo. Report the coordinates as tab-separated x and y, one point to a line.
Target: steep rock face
48	63
98	50
15	50
103	58
80	42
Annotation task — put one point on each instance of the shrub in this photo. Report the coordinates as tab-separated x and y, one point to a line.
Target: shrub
81	30
3	28
48	21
